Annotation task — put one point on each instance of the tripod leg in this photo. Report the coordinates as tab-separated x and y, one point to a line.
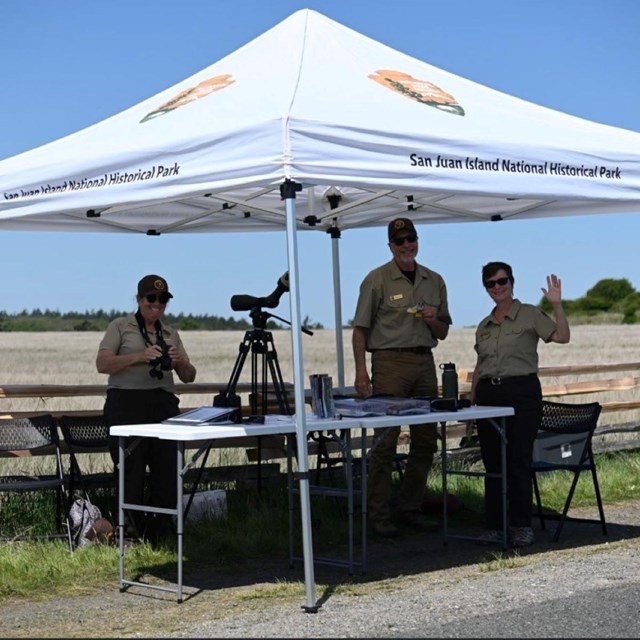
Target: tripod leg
264	361
243	349
278	383
254	380
279	388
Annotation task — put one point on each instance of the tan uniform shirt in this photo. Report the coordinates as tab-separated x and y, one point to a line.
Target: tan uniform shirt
122	337
510	348
385	297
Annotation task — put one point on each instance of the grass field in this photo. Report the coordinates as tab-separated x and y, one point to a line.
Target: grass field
34	571
69	358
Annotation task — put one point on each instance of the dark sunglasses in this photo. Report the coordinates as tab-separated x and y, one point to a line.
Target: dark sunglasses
412	237
489	284
162	298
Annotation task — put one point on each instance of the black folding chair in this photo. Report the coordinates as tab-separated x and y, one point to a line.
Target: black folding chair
21	437
563	443
83	434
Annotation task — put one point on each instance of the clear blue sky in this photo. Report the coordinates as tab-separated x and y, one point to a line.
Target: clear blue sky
67	65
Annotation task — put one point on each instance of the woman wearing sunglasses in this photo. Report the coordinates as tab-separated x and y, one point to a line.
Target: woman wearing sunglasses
506	374
140	353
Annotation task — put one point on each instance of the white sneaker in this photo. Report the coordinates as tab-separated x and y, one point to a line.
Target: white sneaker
521	536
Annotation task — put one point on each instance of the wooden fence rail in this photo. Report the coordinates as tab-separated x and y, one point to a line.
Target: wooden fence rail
559	392
600	387
608	437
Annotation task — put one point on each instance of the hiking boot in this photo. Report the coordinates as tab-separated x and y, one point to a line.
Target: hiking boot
384	528
418	520
521	536
490	536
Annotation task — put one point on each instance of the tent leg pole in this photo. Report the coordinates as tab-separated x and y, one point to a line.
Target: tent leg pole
334	232
288	191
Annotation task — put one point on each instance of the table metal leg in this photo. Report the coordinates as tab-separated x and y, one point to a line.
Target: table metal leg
348	492
350	506
180	511
363	494
500	425
443	457
290	499
121	448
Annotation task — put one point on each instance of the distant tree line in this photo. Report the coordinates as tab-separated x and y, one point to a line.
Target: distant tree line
607	296
49	320
610	295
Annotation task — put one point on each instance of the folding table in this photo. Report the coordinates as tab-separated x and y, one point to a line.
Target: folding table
274	425
495	415
285	425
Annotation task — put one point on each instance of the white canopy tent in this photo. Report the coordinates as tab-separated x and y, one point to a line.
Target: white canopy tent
312	126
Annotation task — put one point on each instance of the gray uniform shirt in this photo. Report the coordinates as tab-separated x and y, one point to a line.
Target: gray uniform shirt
386	295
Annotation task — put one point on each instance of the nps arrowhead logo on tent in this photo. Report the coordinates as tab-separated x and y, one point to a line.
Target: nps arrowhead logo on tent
201	90
420	90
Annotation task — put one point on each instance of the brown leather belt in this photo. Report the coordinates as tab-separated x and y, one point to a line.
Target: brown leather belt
420	350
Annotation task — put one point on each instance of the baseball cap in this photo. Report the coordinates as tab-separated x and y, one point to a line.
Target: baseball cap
153	284
399	225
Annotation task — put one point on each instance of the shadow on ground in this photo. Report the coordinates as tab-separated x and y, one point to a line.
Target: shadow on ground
412	553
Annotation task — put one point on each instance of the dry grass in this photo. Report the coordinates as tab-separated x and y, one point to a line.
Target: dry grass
69	358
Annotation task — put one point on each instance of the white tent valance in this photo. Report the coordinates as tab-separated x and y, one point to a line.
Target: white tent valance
369	132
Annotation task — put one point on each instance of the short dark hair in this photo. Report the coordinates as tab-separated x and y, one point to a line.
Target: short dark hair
491	268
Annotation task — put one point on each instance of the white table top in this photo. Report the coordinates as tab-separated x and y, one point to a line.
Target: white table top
462	415
273	425
280	425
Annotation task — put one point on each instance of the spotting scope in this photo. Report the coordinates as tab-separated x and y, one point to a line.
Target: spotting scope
242	302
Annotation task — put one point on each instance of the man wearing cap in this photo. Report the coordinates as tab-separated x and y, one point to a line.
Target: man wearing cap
401	314
140	353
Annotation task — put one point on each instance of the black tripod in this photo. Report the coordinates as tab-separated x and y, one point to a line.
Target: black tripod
264	359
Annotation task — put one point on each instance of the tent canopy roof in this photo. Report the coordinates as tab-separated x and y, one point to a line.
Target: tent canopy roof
368	132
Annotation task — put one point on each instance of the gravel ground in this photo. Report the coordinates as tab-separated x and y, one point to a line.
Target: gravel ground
415	587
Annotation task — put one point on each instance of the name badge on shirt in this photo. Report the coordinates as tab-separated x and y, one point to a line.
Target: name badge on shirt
397	296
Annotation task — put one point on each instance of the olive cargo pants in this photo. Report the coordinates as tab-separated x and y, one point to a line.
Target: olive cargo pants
401	374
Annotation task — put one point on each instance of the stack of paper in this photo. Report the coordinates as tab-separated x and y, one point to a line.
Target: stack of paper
359	407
